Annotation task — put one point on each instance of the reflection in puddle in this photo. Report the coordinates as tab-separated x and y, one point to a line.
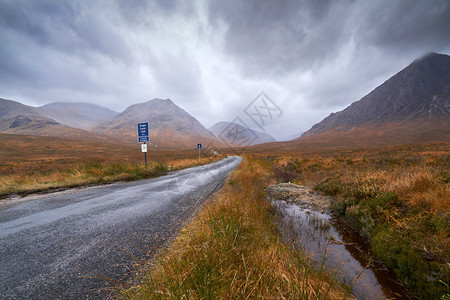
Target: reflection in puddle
316	232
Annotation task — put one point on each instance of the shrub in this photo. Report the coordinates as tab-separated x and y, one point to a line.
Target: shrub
161	168
283	175
396	249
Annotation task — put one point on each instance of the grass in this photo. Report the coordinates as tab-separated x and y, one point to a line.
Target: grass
232	250
30	164
87	173
397	197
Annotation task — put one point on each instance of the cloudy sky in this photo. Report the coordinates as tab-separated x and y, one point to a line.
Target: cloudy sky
213	58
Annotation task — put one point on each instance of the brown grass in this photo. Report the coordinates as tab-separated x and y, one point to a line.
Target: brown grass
398	197
418	174
88	173
419	131
32	164
232	250
418	188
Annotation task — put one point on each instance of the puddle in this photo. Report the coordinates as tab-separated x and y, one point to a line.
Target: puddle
318	231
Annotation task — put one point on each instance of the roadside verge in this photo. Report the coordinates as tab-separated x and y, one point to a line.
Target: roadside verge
231	249
90	173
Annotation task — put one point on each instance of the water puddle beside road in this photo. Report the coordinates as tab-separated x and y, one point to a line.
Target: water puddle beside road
320	234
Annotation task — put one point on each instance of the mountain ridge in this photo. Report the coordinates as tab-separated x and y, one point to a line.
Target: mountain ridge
418	91
170	126
238	135
77	114
413	106
18	118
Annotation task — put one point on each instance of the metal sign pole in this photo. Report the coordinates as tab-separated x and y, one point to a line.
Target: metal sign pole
145	157
199	147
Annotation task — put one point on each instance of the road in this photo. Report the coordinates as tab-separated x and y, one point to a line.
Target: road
71	244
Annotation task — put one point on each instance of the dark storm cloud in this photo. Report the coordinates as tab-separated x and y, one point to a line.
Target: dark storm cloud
113	52
54	49
136	12
408	24
63	26
17	24
212	58
274	37
35	19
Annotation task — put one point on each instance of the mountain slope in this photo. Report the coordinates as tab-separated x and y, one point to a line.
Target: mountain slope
238	135
413	106
170	126
17	118
10	110
77	115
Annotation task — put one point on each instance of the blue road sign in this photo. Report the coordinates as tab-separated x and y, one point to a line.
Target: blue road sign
143	136
199	146
143	139
143	129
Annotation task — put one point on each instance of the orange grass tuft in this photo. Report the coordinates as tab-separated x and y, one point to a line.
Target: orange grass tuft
29	177
397	197
231	250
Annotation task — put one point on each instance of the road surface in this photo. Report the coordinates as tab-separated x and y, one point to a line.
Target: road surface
69	245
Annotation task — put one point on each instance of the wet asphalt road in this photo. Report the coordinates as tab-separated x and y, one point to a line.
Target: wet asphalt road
64	245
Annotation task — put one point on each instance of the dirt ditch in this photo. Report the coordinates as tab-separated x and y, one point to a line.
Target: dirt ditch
305	219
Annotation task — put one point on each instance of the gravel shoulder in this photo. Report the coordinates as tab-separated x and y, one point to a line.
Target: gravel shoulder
303	197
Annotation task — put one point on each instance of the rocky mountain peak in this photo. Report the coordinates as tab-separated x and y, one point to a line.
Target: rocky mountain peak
238	135
168	123
411	107
421	90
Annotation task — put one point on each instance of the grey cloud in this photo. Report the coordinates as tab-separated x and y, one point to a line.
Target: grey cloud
274	37
35	19
61	49
178	76
404	25
13	67
311	56
96	35
65	26
270	38
137	12
131	7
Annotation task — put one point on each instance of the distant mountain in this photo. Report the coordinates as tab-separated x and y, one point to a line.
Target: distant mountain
411	107
77	115
17	118
9	108
170	126
238	135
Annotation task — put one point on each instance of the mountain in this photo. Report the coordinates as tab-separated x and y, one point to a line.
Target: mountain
17	118
170	126
9	108
77	115
238	135
411	107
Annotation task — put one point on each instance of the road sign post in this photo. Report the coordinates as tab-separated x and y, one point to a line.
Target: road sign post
199	147
143	137
144	149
